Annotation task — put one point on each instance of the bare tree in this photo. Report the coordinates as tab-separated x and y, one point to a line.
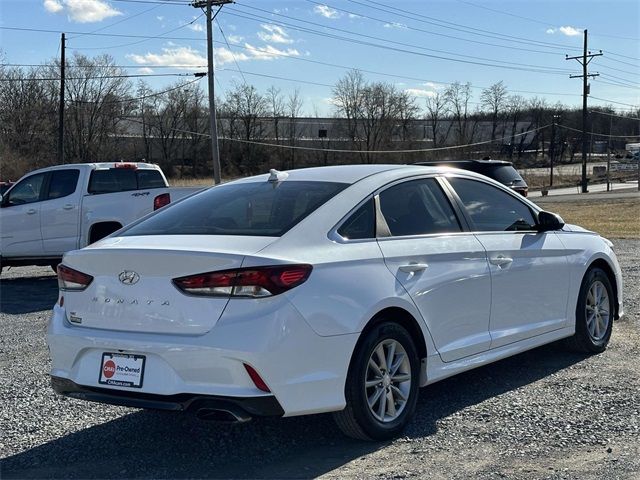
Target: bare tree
95	90
276	108
28	116
246	106
458	96
494	99
516	107
294	110
348	98
437	109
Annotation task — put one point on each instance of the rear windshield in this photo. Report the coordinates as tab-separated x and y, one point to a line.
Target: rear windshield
123	179
255	209
505	174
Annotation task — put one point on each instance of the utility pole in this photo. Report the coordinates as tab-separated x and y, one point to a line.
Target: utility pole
584	60
213	127
61	108
552	147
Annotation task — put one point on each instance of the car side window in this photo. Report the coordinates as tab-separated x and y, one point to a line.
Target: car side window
491	209
361	224
63	183
27	190
418	207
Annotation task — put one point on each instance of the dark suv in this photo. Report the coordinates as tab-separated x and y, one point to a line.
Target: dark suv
500	170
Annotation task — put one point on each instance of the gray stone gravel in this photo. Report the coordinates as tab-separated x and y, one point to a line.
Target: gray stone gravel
544	414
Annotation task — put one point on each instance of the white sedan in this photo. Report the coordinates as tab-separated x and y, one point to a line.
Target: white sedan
337	289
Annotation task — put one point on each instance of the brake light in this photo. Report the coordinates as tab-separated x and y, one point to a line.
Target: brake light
253	282
161	200
131	166
70	279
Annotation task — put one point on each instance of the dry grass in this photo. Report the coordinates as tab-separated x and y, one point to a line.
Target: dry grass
612	218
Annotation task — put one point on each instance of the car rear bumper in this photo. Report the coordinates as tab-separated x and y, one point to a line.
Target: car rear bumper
249	406
304	371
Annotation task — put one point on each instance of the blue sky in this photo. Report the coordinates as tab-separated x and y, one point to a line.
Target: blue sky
419	46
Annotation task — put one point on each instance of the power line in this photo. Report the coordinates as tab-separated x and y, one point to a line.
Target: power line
160	35
235	60
99	77
402	44
155	94
119	21
408	27
386	46
457	26
613	115
613	101
335	150
598	134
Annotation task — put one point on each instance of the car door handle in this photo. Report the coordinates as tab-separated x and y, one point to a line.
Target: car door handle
413	267
68	207
501	261
31	211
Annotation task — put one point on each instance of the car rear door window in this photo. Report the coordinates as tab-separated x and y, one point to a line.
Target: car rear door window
63	183
491	209
417	207
361	224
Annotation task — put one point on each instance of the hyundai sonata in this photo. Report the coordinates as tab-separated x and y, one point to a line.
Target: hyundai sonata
336	289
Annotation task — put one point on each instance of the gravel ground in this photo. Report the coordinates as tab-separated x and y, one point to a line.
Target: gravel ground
542	414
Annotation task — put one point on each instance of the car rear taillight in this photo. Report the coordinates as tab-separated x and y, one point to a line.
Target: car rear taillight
70	279
161	200
253	282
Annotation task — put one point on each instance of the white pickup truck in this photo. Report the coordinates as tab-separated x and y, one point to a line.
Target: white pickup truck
56	209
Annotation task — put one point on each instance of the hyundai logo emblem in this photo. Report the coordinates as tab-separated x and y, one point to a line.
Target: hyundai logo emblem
129	277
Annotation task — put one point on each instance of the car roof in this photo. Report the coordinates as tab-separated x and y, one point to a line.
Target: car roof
341	173
466	162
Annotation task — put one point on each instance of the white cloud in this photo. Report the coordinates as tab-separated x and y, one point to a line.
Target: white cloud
224	56
160	18
326	12
52	6
235	38
269	52
431	85
171	56
569	31
395	25
88	11
145	70
196	27
274	34
419	92
353	15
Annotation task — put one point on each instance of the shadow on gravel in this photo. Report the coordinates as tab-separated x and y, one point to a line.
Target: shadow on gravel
28	294
172	445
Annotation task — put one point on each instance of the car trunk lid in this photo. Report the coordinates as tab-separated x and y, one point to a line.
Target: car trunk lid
132	287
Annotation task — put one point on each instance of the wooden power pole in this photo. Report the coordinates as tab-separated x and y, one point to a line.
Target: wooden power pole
584	60
61	107
213	127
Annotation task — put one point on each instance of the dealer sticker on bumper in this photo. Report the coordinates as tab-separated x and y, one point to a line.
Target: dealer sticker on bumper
122	370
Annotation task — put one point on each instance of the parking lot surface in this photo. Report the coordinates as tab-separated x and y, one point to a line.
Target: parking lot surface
546	413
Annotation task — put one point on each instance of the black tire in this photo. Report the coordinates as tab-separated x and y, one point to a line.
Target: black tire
357	420
583	340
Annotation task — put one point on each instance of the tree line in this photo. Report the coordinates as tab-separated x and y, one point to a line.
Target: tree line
110	117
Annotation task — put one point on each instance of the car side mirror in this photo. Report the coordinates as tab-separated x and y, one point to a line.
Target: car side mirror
548	221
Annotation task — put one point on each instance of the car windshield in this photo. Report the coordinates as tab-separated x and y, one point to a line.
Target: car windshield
255	209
